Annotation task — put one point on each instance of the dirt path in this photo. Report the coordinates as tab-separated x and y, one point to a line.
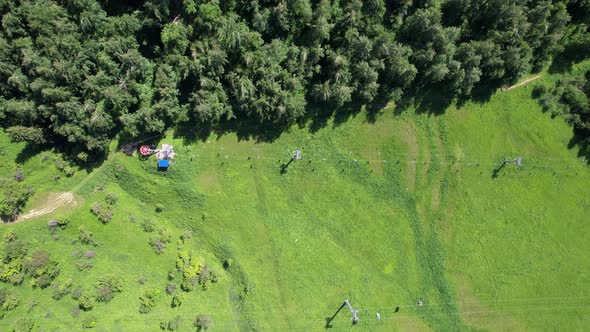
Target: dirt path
52	202
523	82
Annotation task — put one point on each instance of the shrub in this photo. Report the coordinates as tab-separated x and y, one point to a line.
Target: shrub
89	322
26	134
10	236
187	235
539	90
158	245
13	197
111	198
228	263
18	175
63	222
174	324
104	215
203	322
61	289
84	235
8	302
177	299
23	325
84	266
77	293
86	302
148	300
170	288
15	249
31	304
159	207
165	235
107	287
41	268
148	226
63	166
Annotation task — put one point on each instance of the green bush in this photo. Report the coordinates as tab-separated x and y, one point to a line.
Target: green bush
103	214
59	290
177	299
539	90
41	268
149	300
13	197
89	322
63	222
203	322
148	226
111	198
85	236
107	287
8	302
159	207
25	134
86	302
23	325
77	293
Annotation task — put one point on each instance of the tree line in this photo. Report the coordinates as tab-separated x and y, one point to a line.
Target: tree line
570	99
76	73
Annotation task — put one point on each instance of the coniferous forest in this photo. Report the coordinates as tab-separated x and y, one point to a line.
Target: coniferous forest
77	73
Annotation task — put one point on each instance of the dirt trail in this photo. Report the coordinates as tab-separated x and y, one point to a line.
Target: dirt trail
523	82
52	202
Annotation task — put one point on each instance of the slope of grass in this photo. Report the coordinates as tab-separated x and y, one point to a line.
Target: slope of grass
383	214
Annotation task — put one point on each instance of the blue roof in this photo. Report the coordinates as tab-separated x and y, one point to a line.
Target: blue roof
163	163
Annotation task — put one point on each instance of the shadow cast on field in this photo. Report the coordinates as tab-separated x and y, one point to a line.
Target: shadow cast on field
28	152
330	319
581	139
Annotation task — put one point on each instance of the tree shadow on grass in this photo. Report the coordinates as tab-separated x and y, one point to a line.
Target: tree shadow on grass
561	64
28	152
581	139
267	131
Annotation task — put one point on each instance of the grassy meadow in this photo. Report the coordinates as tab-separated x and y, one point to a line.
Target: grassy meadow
382	213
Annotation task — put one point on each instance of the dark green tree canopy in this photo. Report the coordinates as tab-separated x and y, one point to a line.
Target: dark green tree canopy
79	72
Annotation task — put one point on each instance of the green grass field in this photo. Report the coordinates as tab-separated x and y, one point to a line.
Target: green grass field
382	214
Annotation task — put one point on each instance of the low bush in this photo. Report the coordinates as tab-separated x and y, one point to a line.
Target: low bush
85	236
61	289
177	299
77	293
111	199
84	265
149	300
148	226
107	287
8	302
89	322
159	207
104	214
203	322
86	302
23	325
41	268
194	271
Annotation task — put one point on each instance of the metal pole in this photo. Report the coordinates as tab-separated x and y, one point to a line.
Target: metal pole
354	313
